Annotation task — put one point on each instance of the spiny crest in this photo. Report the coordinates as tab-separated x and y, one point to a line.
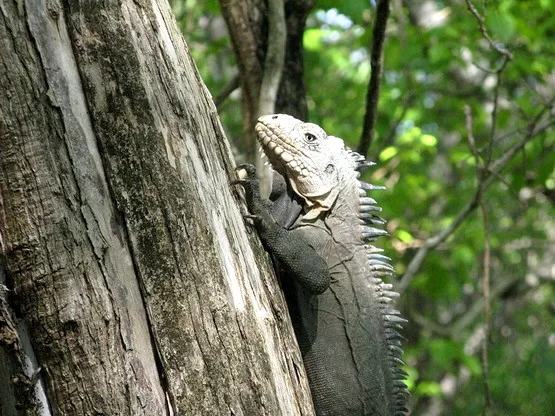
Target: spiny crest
367	206
380	267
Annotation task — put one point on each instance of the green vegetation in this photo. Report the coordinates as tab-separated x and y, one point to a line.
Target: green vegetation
443	81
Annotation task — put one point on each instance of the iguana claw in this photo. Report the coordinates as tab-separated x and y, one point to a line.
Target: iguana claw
252	191
251	170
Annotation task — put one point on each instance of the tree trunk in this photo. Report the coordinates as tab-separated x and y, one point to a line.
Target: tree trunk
267	37
247	22
124	251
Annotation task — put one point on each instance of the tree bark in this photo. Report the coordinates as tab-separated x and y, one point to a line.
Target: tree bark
125	253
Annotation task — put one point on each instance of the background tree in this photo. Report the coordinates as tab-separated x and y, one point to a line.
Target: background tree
267	39
464	140
128	284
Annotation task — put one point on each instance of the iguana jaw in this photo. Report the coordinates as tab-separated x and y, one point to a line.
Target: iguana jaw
282	152
306	163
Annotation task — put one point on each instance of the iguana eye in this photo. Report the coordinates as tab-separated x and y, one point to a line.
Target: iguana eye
310	138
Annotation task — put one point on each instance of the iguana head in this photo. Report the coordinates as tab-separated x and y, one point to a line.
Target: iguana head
317	166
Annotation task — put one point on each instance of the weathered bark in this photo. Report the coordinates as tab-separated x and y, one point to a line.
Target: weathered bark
125	251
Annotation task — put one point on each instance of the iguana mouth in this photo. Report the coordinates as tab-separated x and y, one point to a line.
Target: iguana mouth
280	150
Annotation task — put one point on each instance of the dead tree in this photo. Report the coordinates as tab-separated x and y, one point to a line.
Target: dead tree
129	281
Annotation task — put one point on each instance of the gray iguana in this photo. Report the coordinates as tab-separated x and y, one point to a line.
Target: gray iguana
316	230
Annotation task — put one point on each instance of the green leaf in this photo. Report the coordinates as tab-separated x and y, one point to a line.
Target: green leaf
428	140
428	388
312	39
464	255
501	25
404	236
444	352
412	377
473	364
388	153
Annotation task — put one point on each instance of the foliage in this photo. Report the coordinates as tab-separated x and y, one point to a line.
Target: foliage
433	68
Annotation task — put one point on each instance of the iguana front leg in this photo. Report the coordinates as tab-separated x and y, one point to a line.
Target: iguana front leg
286	205
294	254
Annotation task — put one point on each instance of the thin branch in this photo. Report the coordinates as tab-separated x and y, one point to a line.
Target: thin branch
481	169
226	91
480	173
488	404
275	56
378	38
481	23
473	311
469	134
493	130
532	130
498	141
428	324
456	328
492	71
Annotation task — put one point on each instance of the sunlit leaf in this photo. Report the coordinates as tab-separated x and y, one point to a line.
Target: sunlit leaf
312	39
404	236
428	140
388	153
501	25
428	388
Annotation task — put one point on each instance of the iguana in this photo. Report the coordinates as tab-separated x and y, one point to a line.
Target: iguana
316	230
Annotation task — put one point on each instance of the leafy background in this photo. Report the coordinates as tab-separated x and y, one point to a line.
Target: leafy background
436	62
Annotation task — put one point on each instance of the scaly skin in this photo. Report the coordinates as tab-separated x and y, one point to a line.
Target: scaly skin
339	306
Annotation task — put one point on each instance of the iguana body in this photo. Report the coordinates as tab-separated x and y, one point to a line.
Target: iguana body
340	308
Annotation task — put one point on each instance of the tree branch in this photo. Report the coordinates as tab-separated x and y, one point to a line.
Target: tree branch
273	70
275	55
226	91
378	38
480	19
492	172
481	169
488	404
